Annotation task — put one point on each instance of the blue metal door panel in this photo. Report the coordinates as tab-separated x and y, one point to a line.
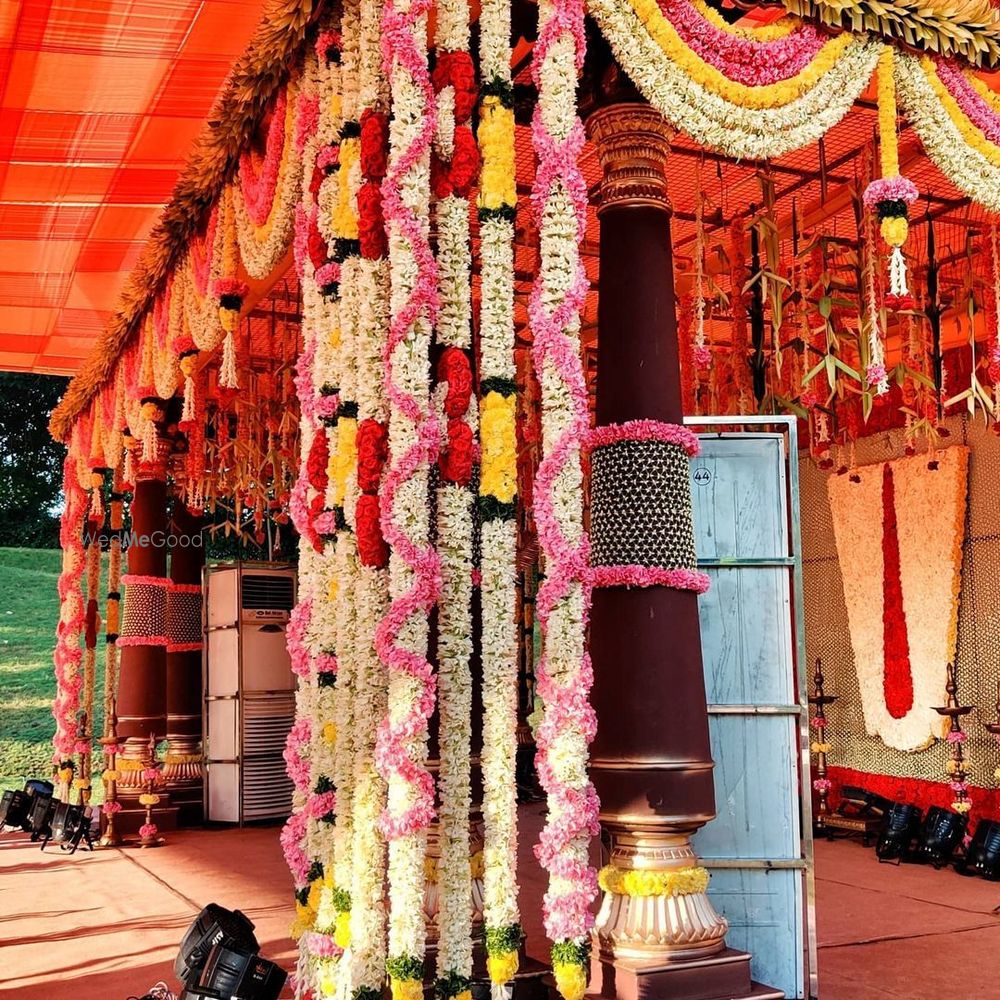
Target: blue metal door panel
754	848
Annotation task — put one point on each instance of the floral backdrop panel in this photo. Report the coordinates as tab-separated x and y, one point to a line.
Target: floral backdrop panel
899	528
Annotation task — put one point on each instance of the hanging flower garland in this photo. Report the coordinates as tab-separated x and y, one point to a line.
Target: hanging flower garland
263	243
953	142
564	671
67	656
755	117
368	919
891	195
414	572
498	493
876	376
454	169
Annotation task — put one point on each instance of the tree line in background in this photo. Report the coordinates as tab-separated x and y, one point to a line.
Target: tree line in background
30	461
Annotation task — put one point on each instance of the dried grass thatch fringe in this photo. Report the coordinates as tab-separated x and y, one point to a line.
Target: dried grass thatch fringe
274	50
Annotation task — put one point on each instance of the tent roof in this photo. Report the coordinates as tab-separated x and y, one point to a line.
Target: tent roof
100	103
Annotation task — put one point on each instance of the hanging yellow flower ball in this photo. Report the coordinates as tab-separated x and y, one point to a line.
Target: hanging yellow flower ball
82	783
571	980
327	977
330	732
503	967
65	775
108	776
148	799
894	230
228	318
189	365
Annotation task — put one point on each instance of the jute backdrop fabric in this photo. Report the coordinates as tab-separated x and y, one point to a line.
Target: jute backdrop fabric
978	646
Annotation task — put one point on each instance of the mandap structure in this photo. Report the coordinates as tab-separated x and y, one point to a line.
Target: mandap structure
434	274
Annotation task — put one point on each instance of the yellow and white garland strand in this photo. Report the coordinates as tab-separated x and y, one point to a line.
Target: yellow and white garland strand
498	493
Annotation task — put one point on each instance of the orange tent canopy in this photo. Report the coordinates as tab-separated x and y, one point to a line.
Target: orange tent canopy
100	102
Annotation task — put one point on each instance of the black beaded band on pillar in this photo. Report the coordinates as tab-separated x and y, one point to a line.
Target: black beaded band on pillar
184	617
641	530
144	617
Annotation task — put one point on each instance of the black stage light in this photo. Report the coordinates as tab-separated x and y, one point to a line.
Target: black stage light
899	827
982	856
39	786
39	819
940	833
214	925
14	808
231	974
70	824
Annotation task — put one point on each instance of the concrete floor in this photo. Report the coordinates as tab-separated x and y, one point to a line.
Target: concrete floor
106	926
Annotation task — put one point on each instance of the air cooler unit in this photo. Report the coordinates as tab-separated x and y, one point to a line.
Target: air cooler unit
249	691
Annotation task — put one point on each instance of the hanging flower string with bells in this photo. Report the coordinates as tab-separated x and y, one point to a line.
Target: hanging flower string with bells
891	195
230	292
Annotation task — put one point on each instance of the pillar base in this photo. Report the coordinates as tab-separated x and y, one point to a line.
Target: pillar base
724	976
183	778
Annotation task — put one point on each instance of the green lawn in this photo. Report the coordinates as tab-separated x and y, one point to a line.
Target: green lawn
29	609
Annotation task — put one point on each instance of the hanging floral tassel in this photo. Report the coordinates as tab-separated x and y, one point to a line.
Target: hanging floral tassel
231	292
189	365
128	469
702	354
890	196
151	413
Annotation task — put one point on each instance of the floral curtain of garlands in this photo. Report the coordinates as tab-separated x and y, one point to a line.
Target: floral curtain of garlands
762	92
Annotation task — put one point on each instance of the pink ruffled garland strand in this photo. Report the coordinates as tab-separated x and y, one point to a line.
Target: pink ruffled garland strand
400	48
67	655
259	176
572	816
744	60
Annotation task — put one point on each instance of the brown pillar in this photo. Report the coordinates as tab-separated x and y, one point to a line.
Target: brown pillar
142	636
182	770
650	761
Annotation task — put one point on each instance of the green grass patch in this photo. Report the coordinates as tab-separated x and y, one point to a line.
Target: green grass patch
29	611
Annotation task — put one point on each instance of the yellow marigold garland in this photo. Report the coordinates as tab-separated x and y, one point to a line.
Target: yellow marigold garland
639	882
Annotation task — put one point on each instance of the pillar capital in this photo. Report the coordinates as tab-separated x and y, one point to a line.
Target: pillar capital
632	141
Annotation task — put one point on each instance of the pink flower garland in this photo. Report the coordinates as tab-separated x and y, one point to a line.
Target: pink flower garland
297	753
648	576
744	60
201	249
645	430
968	99
67	655
400	48
566	910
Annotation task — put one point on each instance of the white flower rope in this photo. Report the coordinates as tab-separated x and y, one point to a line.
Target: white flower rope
498	494
454	79
366	967
564	671
414	571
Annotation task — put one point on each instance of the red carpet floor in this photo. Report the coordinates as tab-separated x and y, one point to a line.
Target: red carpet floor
106	926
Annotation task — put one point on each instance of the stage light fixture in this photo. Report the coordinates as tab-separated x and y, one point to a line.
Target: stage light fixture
982	856
940	833
39	819
233	974
213	926
68	827
899	827
15	805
